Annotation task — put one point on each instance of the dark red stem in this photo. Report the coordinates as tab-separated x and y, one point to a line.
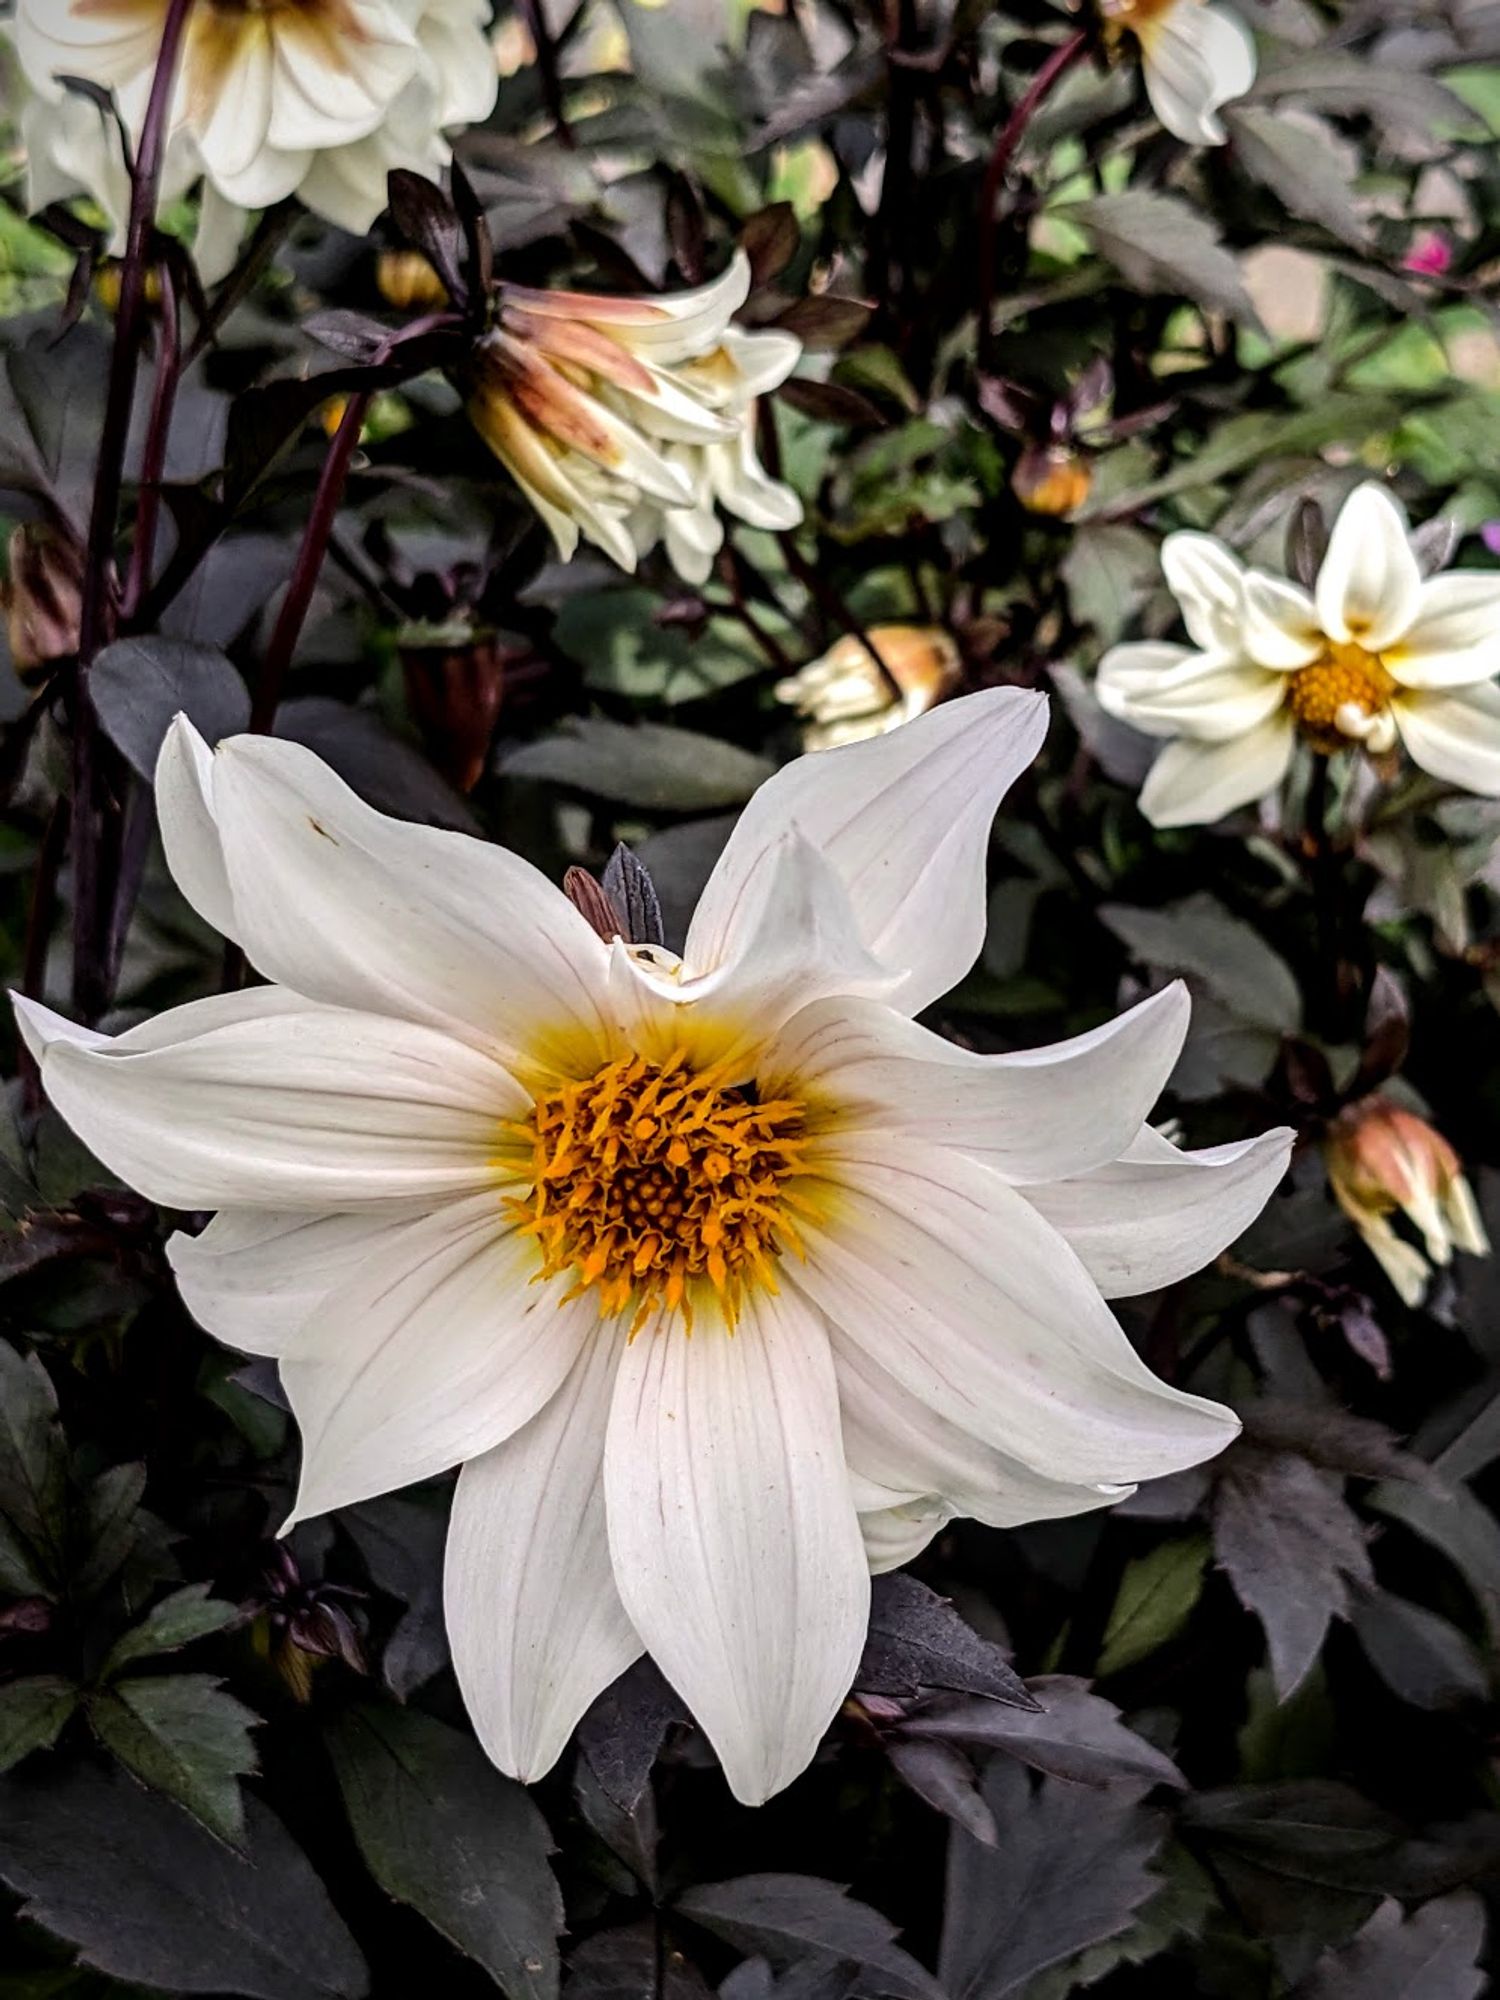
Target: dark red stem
97	606
537	26
1012	132
309	564
154	452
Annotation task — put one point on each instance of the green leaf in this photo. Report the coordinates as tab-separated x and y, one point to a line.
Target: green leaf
33	1458
646	764
441	1829
1159	244
1432	1955
183	1735
32	1713
1301	167
142	1892
107	1527
188	1614
1155	1600
138	685
1109	569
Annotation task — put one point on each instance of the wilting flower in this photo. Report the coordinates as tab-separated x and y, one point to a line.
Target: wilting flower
844	696
1194	57
42	597
627	419
314	98
708	1270
1381	1158
1373	656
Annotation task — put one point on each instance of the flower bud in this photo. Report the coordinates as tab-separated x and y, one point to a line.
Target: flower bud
1051	479
406	280
1382	1159
845	697
42	598
455	683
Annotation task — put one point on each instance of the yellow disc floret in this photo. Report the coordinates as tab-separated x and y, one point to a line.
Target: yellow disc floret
1346	677
654	1181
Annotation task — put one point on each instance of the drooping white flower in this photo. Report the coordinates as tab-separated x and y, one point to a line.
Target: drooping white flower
314	98
1382	1158
720	1277
844	697
1194	58
627	420
1374	656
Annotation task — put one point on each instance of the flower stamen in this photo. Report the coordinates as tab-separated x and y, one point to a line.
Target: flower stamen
1338	697
654	1179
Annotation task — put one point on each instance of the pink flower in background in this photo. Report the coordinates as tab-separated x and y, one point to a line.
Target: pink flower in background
1431	254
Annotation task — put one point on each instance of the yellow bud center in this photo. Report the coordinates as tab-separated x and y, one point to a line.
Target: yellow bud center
1345	677
656	1182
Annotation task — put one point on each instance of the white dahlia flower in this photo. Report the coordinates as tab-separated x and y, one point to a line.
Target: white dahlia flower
1194	58
1374	656
314	98
627	420
720	1277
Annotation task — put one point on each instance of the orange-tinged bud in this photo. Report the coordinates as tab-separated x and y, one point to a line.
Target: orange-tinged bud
1383	1160
42	597
455	685
844	696
1051	479
107	280
407	281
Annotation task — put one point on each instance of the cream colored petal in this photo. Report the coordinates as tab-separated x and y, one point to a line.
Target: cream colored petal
1455	737
1193	784
1369	588
1455	640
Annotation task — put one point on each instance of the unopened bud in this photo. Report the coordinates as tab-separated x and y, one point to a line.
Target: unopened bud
42	598
108	279
845	697
455	684
406	280
1383	1161
1051	479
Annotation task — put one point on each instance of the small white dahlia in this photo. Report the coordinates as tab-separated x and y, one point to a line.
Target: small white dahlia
314	98
1373	657
722	1279
630	420
1195	57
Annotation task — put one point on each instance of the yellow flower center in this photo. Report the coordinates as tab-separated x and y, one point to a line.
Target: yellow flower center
1346	676
654	1181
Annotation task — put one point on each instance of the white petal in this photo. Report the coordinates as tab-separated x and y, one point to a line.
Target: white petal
231	101
1191	784
534	1619
184	812
952	1283
746	489
1208	582
216	246
764	360
1157	1214
1280	628
1455	737
1456	638
1032	1115
667	328
1370	587
254	1277
898	1444
904	819
334	84
894	1535
1206	697
312	1109
736	1547
1195	58
438	1349
1129	676
339	902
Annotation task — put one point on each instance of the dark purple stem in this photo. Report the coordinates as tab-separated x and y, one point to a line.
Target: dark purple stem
309	564
1012	132
97	607
535	16
154	452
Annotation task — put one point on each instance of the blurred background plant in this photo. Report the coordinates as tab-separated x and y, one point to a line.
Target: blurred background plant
1037	333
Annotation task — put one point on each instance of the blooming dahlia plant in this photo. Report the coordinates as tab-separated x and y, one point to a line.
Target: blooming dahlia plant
315	98
1374	656
722	1279
630	420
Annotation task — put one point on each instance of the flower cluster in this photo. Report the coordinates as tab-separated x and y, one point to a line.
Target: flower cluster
631	420
1375	655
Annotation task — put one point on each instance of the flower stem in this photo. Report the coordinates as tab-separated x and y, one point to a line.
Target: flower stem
533	12
97	609
1012	132
309	564
154	452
